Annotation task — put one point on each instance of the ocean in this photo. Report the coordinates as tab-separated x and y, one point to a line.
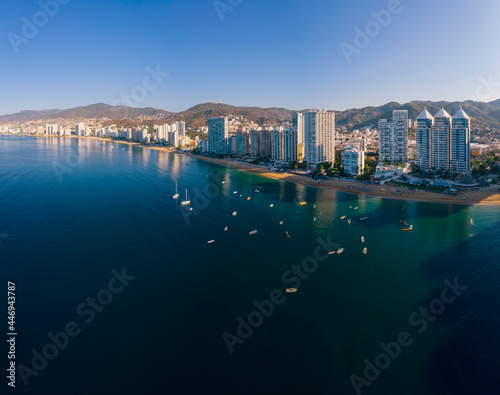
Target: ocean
117	290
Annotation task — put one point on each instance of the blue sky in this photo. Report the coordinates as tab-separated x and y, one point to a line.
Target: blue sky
263	53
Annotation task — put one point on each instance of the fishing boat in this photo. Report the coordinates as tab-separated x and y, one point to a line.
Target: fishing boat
226	228
343	217
363	218
289	290
365	250
349	221
234	213
410	228
362	239
403	222
252	232
176	196
339	251
287	235
210	241
281	222
271	205
303	203
186	202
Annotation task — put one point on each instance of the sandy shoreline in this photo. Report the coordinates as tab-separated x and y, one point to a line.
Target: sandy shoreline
380	191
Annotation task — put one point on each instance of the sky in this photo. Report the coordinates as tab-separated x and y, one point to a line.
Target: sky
294	54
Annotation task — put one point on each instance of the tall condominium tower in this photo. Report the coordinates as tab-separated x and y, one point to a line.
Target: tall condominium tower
440	141
423	132
319	136
290	145
218	131
393	137
298	125
277	144
255	142
460	143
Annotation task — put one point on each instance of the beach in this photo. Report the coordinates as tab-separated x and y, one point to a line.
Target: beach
381	191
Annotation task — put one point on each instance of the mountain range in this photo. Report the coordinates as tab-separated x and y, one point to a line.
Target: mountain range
484	115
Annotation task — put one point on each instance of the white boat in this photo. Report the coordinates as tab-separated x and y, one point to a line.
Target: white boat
343	217
362	239
314	206
332	252
287	235
252	232
281	222
223	182
365	250
235	192
225	229
472	221
271	205
257	191
291	290
362	219
339	251
349	221
234	213
176	196
210	241
314	219
186	202
355	208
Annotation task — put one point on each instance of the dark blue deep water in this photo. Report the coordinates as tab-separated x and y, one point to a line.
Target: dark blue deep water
73	211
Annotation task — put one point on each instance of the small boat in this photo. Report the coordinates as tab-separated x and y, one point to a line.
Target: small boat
355	208
303	203
210	241
226	228
257	191
314	206
241	195
349	221
235	192
332	252
365	250
289	290
186	202
410	228
287	235
472	221
281	222
403	222
234	213
314	219
343	217
404	208
190	209
339	251
362	239
350	206
176	196
271	205
363	218
248	198
252	232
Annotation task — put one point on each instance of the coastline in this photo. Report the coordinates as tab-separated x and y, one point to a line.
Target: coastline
482	198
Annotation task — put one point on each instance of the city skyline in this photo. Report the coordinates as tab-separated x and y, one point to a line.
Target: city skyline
194	52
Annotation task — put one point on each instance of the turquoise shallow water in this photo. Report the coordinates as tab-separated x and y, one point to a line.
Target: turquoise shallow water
73	210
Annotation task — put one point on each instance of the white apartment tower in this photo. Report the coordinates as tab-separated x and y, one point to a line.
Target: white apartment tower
423	133
460	143
440	141
218	132
353	160
393	137
319	136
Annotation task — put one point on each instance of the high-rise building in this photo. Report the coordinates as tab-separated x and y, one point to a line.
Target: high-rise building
255	143
80	129
218	130
181	128
441	140
423	133
319	136
353	160
242	143
290	145
173	138
393	137
460	143
265	143
298	125
277	144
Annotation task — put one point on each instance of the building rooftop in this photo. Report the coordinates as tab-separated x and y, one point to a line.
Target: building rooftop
461	114
442	114
425	115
